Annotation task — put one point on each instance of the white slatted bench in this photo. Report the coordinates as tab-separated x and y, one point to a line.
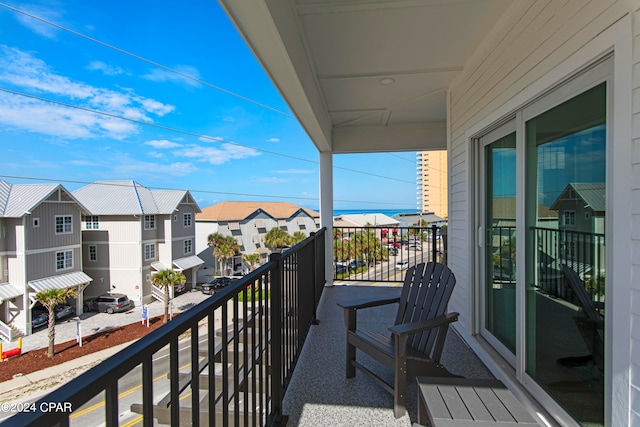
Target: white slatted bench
467	402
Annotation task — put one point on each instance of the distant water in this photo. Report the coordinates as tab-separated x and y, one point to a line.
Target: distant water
387	212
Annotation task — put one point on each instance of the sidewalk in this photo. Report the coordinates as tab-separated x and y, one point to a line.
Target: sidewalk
36	384
92	322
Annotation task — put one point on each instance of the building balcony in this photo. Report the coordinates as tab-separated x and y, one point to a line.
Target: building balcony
280	356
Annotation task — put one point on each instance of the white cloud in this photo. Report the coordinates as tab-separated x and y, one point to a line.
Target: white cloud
162	143
125	166
217	156
105	68
49	119
155	154
273	140
228	119
39	27
26	73
161	75
207	138
294	171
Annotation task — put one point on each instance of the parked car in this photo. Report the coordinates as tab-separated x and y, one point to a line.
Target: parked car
357	263
415	247
109	303
216	284
39	318
63	310
402	265
341	268
393	251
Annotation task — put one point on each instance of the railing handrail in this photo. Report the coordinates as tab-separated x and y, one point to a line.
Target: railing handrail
96	380
6	331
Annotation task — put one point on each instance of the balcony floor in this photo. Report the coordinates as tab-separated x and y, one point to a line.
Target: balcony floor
320	394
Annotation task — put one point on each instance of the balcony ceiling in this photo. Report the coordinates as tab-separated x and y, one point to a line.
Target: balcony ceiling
366	75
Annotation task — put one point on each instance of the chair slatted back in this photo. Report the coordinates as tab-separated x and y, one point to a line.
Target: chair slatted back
425	295
588	306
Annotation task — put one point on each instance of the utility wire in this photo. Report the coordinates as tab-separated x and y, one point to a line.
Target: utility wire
164	67
148	61
114	184
189	133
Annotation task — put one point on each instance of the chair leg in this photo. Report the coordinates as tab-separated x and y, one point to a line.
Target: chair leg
400	387
351	357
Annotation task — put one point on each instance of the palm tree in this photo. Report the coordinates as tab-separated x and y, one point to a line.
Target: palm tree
227	250
298	236
277	238
223	246
49	299
164	279
251	259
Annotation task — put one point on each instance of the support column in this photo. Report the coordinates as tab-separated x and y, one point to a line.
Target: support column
326	210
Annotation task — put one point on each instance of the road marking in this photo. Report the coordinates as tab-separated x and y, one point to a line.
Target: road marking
121	395
133	422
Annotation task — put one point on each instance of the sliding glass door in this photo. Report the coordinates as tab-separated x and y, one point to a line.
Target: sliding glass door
542	209
566	209
499	232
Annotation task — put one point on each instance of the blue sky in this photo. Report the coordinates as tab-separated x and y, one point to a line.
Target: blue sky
220	147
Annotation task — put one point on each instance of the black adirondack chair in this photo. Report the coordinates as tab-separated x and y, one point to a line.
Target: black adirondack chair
590	325
413	345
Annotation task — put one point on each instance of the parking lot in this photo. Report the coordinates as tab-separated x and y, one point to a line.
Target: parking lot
93	322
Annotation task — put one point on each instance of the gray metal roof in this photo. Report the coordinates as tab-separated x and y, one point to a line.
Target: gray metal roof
159	266
373	219
592	193
8	291
16	200
61	281
130	198
188	262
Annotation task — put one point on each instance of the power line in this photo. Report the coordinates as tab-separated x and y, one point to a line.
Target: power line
187	76
69	181
148	61
189	133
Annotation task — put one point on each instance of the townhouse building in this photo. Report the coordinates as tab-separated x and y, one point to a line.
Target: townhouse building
40	249
249	222
131	232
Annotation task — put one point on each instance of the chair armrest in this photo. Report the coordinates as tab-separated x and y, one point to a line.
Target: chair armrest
350	309
366	303
412	328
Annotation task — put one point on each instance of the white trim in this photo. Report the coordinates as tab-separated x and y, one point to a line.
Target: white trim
617	39
55	224
47	250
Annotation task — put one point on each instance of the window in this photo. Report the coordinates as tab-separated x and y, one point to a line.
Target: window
64	224
569	217
36	222
91	222
188	246
149	222
93	253
64	260
187	220
149	251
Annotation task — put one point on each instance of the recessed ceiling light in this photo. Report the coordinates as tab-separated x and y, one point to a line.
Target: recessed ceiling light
387	81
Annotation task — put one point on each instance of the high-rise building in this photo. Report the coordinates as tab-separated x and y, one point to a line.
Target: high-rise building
432	182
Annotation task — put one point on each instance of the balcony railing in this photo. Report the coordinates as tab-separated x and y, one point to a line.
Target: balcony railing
383	253
583	252
230	358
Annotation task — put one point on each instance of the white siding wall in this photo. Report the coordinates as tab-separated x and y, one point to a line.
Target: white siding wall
635	272
534	39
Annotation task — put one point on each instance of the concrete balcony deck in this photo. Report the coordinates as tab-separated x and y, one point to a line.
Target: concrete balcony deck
320	394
